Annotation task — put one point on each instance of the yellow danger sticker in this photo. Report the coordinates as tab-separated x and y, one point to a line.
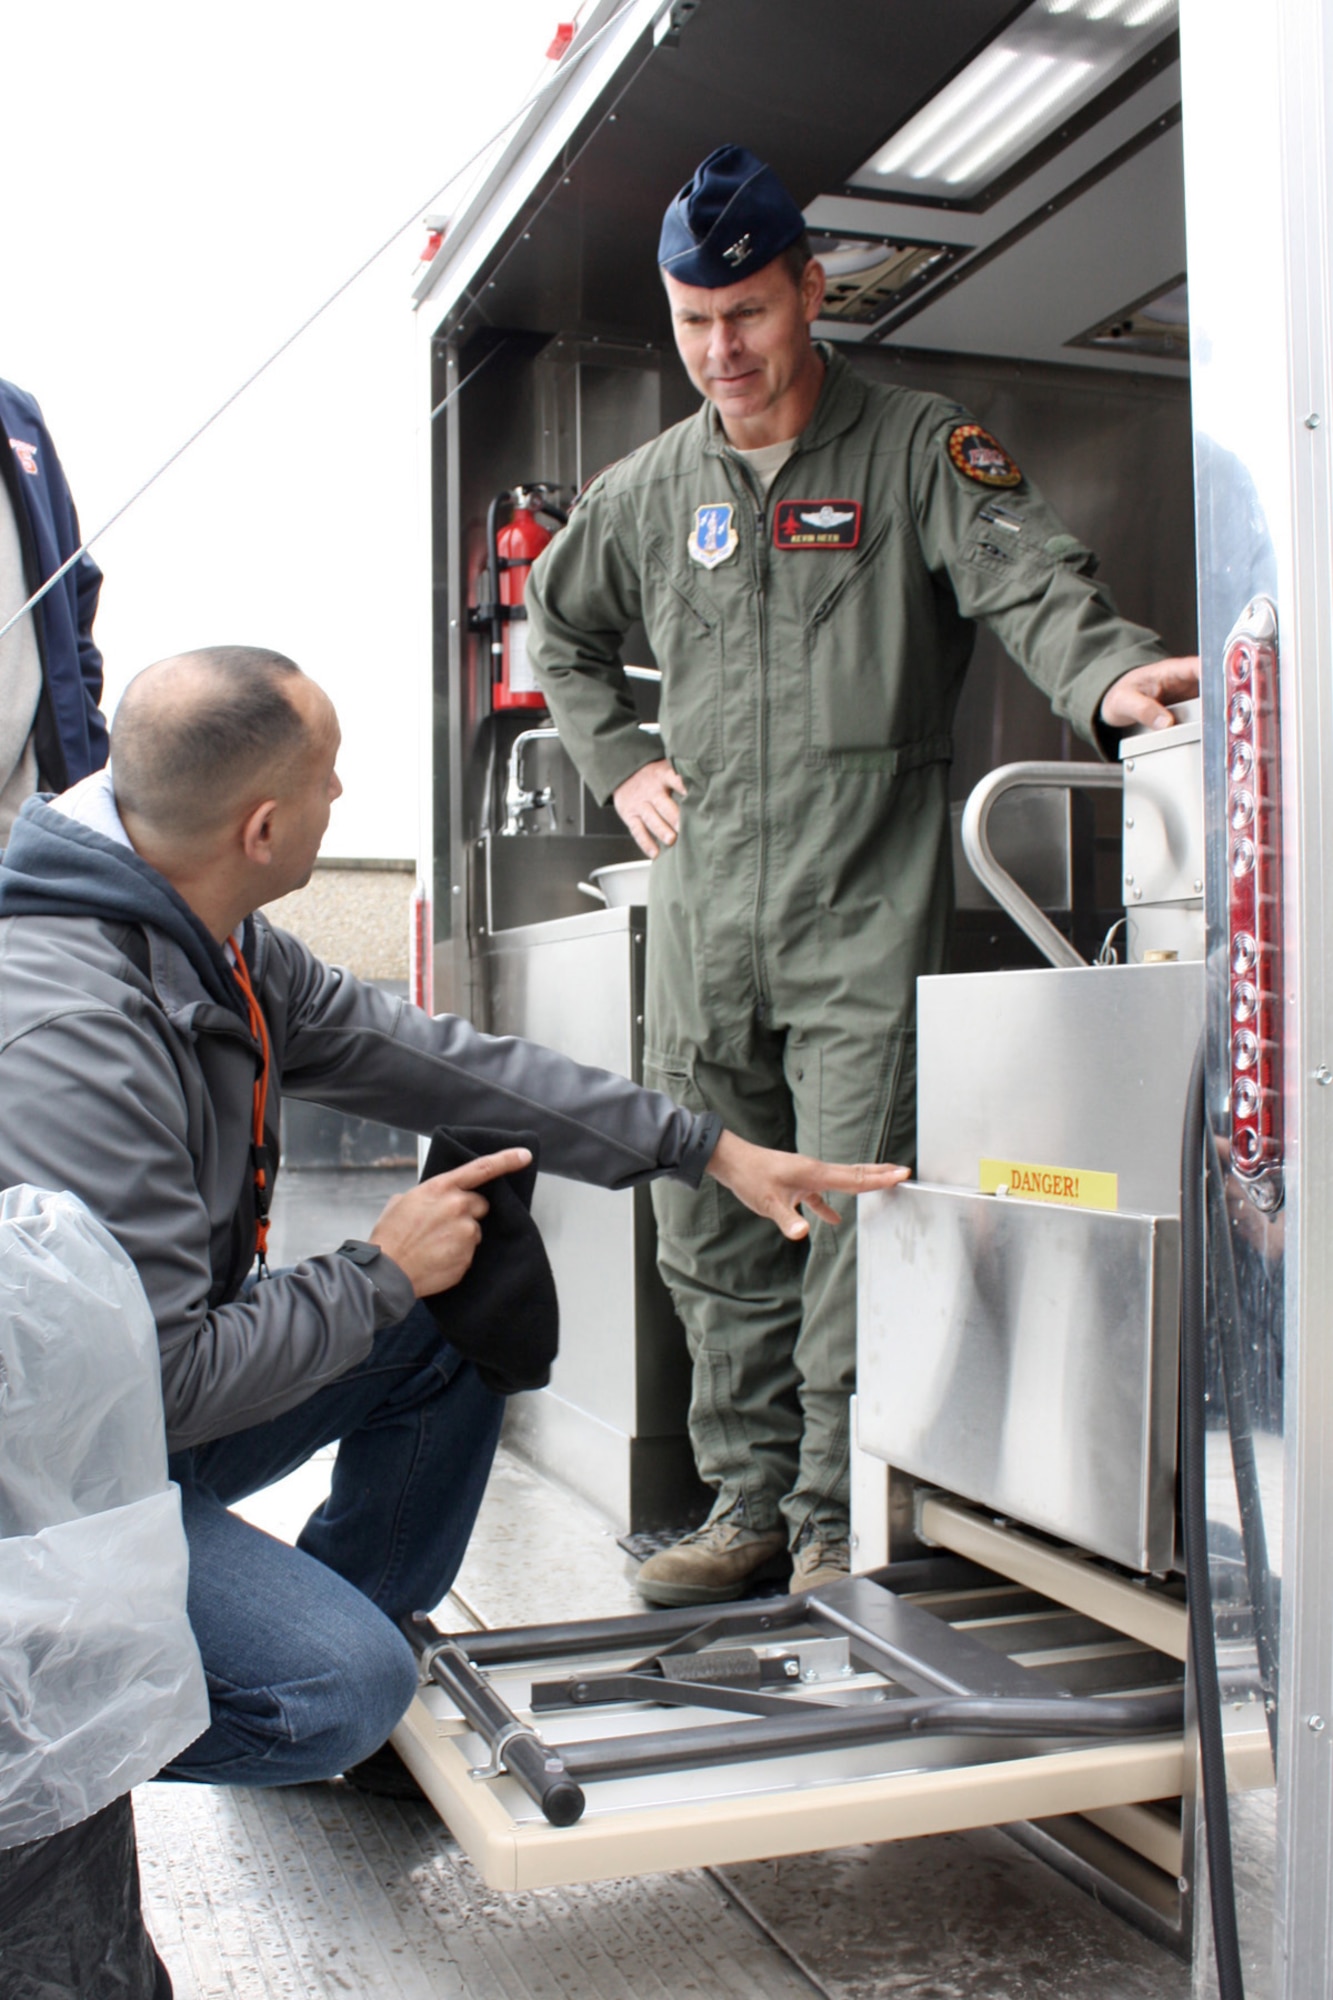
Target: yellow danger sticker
1076	1187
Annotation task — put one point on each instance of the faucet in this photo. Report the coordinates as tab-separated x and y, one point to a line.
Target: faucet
518	799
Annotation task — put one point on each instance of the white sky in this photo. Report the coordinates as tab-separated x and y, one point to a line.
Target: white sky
184	184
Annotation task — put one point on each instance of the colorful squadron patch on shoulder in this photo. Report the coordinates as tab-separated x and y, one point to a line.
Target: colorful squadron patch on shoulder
817	524
978	457
714	538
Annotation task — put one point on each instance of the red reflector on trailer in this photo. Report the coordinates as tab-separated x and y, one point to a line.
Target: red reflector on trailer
560	41
1254	903
419	971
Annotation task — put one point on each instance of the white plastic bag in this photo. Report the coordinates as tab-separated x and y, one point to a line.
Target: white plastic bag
100	1678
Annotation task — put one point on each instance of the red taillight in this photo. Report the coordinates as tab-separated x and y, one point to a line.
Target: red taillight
1254	903
420	981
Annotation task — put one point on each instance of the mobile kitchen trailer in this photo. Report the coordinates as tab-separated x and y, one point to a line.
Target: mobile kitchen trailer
1104	230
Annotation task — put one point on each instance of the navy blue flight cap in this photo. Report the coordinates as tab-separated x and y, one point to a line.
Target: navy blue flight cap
734	217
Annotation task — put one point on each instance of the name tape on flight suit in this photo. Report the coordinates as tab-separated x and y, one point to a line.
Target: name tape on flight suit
1074	1187
817	524
977	455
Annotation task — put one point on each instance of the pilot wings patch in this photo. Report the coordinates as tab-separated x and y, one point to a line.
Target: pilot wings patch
817	524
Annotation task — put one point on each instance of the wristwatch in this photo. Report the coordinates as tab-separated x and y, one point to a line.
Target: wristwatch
358	1252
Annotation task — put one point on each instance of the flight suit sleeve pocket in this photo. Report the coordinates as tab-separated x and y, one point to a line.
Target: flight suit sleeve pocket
683	1214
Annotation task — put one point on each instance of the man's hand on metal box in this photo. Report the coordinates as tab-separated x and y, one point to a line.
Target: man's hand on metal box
433	1230
777	1184
1138	700
647	804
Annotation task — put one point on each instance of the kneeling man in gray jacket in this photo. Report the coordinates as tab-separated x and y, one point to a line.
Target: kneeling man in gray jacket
149	1024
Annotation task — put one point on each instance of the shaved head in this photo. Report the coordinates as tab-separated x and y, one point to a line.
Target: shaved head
198	737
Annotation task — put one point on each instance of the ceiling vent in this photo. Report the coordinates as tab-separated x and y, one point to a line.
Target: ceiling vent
1158	325
868	275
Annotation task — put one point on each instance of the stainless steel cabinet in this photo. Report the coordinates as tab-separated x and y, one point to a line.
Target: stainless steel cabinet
612	1422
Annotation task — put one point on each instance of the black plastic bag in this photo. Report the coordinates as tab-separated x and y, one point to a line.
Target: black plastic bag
71	1926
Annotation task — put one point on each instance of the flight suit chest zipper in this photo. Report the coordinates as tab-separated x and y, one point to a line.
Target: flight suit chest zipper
760	969
740	472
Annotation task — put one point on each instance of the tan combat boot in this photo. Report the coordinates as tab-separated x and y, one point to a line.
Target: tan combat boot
716	1562
821	1556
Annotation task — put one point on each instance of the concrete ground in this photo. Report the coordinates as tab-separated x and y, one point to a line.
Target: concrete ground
319	1891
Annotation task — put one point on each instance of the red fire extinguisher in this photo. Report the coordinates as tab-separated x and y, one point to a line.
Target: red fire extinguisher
511	551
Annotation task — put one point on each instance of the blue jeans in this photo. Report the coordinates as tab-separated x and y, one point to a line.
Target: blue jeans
307	1672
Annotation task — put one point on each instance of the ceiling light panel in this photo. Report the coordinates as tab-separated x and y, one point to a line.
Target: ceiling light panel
1042	69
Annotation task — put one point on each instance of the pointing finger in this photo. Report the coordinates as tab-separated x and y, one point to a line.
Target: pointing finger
858	1179
490	1167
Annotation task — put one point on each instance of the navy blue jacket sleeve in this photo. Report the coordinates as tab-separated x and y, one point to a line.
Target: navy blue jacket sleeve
71	662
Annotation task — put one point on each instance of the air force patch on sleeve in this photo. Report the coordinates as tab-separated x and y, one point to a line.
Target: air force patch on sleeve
978	457
817	524
714	536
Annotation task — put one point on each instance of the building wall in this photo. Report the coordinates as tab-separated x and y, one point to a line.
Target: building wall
354	913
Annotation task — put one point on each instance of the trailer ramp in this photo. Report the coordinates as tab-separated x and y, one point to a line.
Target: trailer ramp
323	1893
931	1697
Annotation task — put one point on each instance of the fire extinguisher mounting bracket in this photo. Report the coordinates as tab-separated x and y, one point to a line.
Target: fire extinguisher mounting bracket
481	617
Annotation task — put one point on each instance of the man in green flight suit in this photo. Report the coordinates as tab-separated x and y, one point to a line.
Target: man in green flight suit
809	554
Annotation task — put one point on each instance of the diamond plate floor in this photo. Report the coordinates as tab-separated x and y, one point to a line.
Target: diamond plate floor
317	1891
321	1893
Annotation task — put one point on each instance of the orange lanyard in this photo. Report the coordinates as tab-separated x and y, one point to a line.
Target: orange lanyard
259	1029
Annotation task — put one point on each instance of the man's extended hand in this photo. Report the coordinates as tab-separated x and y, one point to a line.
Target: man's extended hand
647	804
1138	699
433	1230
775	1184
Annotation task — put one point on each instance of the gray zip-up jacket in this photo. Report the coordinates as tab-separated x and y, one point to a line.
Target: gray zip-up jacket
127	1074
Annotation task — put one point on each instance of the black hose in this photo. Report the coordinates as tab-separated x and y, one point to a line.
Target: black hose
1194	1513
1263	1587
493	607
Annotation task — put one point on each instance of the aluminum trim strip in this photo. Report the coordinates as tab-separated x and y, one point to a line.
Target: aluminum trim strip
711	1832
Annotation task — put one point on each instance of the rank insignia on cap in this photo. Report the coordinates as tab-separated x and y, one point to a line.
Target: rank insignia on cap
817	524
977	456
737	252
714	537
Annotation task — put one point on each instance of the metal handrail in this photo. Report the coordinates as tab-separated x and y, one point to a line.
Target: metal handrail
1015	901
